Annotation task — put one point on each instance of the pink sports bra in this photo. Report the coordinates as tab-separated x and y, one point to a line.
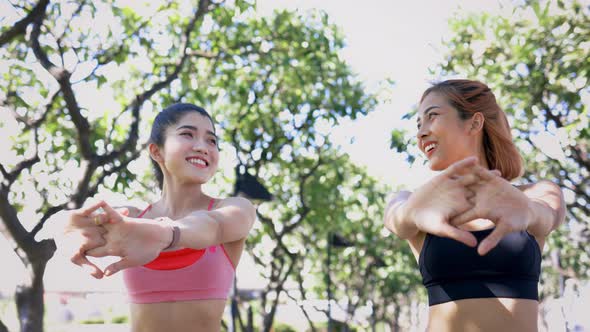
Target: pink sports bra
182	275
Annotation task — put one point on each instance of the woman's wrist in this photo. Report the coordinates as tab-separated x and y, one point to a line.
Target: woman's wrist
540	218
403	219
170	234
175	237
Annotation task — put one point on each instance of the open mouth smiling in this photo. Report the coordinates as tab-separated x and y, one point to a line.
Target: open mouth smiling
198	161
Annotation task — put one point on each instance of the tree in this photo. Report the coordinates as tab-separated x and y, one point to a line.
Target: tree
339	198
274	84
376	269
535	59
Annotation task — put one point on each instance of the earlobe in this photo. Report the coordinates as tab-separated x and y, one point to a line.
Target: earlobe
477	122
154	152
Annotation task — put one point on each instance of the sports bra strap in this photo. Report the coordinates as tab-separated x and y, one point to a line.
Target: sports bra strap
144	211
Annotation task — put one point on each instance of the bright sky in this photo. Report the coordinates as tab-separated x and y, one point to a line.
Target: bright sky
396	40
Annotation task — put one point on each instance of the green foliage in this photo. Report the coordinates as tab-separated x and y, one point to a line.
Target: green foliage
280	327
337	326
120	320
93	321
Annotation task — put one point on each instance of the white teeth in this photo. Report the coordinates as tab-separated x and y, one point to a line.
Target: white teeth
430	147
197	161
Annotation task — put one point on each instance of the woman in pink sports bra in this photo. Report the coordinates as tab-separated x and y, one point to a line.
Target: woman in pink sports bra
179	255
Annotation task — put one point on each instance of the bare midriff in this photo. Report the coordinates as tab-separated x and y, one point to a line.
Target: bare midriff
488	314
197	315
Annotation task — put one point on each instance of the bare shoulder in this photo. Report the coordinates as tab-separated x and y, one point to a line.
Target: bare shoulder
243	204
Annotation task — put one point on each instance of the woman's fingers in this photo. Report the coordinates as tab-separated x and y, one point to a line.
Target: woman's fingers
118	266
123	211
486	174
468	180
105	217
81	260
93	237
460	168
465	217
88	210
492	239
79	242
460	235
102	251
113	215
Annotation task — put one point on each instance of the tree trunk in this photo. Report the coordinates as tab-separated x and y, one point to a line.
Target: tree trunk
395	323
269	319
29	294
29	300
3	327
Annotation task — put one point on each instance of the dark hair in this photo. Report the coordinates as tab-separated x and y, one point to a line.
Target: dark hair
469	97
167	117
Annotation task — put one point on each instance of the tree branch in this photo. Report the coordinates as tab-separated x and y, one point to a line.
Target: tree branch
13	225
268	222
81	4
5	174
305	209
269	318
103	57
50	212
113	170
20	27
581	207
135	106
34	123
10	177
202	54
581	156
83	185
299	279
62	76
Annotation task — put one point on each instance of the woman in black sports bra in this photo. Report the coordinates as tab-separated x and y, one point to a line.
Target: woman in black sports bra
477	238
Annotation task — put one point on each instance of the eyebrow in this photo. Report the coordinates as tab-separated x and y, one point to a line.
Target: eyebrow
428	110
209	132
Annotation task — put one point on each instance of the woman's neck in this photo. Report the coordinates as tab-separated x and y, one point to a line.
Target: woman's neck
178	200
481	157
482	160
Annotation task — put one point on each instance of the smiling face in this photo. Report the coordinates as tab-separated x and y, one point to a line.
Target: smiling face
443	136
190	153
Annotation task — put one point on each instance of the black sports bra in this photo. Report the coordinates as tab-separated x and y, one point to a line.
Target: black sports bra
453	271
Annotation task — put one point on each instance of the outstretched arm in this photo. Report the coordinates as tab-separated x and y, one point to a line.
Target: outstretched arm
547	207
139	241
230	221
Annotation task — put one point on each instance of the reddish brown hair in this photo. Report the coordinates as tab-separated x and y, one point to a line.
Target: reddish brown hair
470	97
